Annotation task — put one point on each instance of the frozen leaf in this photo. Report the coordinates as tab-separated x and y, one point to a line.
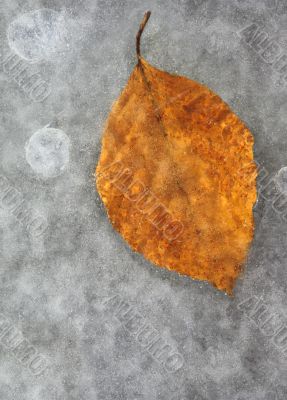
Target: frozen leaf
177	177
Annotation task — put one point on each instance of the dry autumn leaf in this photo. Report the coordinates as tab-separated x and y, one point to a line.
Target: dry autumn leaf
170	175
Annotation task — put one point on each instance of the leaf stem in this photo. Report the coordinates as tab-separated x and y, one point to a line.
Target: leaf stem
139	34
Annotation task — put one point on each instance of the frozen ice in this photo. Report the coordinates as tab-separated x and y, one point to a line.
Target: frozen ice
281	180
54	287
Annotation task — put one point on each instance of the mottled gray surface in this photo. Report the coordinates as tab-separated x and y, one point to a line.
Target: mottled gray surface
61	263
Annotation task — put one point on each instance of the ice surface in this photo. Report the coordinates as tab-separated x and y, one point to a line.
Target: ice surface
55	286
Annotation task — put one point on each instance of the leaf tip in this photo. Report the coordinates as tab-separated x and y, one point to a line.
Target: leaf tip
139	34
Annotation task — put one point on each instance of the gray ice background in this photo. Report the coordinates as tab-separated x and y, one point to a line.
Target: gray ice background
52	286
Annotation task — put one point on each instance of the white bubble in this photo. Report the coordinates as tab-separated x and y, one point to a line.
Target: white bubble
47	152
281	180
37	35
219	38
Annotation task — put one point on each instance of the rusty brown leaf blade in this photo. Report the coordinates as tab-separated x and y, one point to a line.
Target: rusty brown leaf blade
170	175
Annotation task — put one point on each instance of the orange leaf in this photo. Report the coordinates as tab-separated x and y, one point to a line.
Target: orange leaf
177	176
